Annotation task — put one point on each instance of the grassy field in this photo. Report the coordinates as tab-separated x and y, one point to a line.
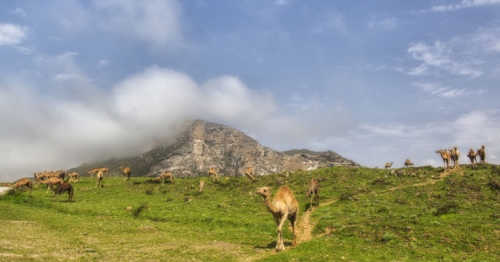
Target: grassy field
365	214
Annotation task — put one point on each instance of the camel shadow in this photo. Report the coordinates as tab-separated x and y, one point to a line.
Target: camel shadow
272	245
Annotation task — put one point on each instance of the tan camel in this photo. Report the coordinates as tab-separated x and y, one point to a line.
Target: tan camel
213	172
388	165
126	171
472	156
51	181
249	174
482	155
283	206
61	188
313	190
99	176
23	182
455	157
74	176
408	163
202	185
165	174
445	155
92	171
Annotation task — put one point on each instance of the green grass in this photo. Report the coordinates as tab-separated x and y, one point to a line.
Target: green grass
365	215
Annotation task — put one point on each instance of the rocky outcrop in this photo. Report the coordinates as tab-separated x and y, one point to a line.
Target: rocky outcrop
201	145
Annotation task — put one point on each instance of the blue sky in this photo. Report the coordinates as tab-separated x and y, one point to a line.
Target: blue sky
375	81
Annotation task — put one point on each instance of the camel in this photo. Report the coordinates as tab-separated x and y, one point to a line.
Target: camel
74	176
283	206
51	181
312	190
202	184
482	155
126	172
99	176
23	182
213	172
472	156
165	174
445	155
249	174
408	163
61	188
388	165
92	171
455	156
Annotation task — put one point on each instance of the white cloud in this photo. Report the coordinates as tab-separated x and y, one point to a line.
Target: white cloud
386	23
334	21
155	22
443	91
282	2
19	11
103	62
11	34
463	4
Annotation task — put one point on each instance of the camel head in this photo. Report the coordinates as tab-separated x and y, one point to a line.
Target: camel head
265	192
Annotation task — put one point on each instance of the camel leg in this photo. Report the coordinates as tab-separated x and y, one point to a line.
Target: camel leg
293	221
280	246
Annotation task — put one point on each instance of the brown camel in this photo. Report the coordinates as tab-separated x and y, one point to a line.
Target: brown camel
202	184
165	174
23	182
92	171
455	157
388	165
61	188
99	176
408	163
51	181
482	155
472	156
313	190
445	155
249	174
126	171
213	172
283	206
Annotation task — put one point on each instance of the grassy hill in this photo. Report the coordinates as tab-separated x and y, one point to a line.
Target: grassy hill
365	214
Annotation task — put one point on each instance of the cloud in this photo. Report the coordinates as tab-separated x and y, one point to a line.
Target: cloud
11	34
463	4
438	89
155	22
19	11
282	2
334	21
386	23
470	55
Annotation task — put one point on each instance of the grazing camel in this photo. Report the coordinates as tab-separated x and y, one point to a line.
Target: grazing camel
408	163
126	171
99	176
202	184
455	156
61	188
23	182
283	206
74	176
213	172
165	174
51	181
313	190
445	155
388	165
249	174
482	155
472	156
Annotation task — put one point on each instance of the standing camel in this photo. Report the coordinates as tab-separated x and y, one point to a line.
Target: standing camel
445	155
202	184
126	171
249	174
408	163
99	176
313	190
472	156
51	181
213	172
92	171
283	206
455	156
482	155
165	174
74	176
61	188
388	165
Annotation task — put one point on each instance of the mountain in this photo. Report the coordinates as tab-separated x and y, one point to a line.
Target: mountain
200	145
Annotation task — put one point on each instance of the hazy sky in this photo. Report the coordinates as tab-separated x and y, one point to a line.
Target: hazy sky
375	81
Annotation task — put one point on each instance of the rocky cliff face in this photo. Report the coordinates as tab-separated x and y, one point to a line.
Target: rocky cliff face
201	145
